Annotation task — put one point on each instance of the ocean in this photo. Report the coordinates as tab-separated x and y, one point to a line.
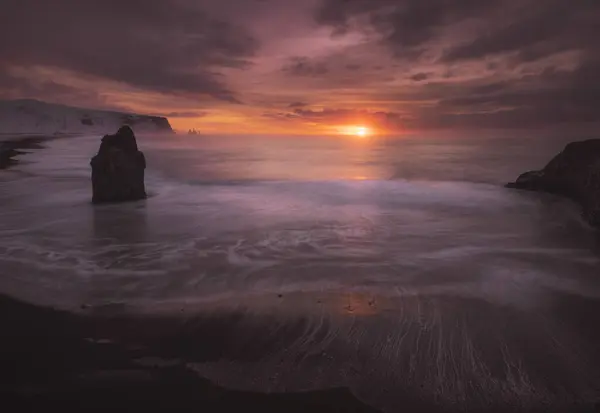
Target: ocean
395	266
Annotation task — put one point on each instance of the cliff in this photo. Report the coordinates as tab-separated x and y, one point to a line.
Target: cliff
37	118
573	173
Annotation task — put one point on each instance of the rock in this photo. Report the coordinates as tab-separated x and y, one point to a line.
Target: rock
118	169
162	124
6	155
12	148
529	180
573	173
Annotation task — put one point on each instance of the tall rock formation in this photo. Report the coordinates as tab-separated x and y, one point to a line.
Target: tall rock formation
118	169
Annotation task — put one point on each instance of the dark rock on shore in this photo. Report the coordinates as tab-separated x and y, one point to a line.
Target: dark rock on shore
573	173
12	148
118	169
6	156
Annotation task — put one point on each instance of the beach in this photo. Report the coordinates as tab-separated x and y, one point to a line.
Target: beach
50	359
321	275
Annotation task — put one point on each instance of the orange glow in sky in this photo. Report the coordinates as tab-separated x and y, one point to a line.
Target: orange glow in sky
362	131
359	131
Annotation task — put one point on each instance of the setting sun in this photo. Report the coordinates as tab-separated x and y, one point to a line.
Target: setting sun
356	130
362	131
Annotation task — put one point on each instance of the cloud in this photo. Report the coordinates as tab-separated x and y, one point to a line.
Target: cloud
534	32
303	66
172	47
185	114
497	63
398	63
280	116
470	29
406	26
18	87
544	99
418	77
297	104
353	66
327	117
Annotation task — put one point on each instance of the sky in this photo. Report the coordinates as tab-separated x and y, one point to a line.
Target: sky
311	66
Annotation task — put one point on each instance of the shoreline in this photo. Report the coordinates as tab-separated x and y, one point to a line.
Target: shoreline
49	358
13	146
110	358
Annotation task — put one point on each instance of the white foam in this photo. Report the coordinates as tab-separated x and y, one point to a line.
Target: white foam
254	235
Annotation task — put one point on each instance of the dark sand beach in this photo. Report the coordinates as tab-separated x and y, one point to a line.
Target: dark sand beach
54	360
102	359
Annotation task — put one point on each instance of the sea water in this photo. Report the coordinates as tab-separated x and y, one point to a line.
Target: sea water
404	259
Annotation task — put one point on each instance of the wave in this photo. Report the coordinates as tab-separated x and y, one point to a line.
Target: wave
254	235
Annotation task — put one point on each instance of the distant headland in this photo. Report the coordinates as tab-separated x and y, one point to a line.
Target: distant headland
34	117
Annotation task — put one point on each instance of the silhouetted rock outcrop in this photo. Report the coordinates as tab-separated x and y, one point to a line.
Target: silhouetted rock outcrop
6	155
162	124
118	169
13	148
574	173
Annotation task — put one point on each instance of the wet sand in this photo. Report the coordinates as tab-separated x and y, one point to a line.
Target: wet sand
50	360
341	353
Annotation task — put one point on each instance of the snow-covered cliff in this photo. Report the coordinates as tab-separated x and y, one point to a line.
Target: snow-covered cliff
41	118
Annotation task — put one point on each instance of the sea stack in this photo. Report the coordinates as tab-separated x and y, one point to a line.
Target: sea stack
118	169
574	173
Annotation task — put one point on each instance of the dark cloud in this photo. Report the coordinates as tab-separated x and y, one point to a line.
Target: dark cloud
419	77
303	66
535	31
518	44
408	25
156	45
533	28
14	87
424	63
548	98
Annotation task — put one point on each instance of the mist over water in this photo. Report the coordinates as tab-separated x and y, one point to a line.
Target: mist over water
397	261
